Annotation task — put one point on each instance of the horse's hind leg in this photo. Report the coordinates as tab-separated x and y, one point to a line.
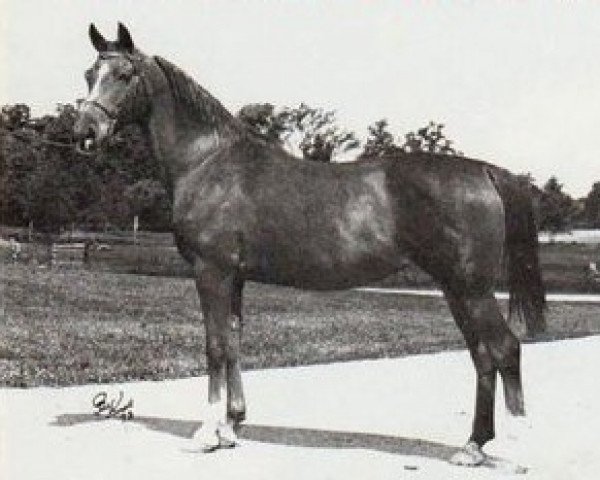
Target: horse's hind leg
504	348
493	349
483	421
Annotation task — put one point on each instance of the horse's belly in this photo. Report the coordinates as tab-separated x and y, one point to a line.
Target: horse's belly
323	267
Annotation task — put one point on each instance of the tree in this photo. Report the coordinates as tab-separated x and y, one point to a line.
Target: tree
430	138
321	136
591	206
380	141
14	117
60	179
147	200
526	179
311	132
556	208
53	186
18	161
264	120
133	183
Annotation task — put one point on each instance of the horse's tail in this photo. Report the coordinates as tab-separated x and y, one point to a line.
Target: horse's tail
526	290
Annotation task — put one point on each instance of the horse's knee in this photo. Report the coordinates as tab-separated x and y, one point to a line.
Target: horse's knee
234	337
216	351
483	360
225	344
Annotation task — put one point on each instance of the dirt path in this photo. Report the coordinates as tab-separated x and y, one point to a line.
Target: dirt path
384	419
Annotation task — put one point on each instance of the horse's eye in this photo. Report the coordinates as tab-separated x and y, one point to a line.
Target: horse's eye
124	75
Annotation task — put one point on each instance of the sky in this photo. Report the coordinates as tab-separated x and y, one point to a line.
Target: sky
517	83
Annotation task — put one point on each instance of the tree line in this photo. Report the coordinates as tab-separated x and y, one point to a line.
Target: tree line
53	187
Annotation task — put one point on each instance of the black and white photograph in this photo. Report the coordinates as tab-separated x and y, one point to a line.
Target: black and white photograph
289	240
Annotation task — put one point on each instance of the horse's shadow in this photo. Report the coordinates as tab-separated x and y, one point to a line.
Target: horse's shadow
299	437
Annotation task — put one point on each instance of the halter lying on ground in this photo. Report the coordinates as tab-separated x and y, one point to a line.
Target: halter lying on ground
244	209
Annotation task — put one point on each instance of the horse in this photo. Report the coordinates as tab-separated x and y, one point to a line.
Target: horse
243	209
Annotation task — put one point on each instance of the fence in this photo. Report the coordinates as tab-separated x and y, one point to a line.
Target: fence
69	255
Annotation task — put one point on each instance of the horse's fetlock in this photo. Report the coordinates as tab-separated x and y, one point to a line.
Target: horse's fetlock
481	438
236	413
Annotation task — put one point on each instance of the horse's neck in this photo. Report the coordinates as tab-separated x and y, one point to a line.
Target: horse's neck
181	141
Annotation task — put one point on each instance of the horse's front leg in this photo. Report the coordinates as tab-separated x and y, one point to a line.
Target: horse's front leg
215	289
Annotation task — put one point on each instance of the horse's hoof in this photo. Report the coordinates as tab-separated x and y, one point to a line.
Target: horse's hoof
208	440
227	436
469	456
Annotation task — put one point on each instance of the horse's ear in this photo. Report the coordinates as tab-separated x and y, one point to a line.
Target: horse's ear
124	39
97	39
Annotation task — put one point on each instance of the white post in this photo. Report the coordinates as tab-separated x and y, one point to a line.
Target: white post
136	224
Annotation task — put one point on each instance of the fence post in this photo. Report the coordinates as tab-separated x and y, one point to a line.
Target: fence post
136	224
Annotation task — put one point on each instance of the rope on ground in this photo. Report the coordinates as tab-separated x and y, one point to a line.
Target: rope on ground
112	408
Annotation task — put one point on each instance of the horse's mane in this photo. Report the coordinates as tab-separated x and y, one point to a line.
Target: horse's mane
194	98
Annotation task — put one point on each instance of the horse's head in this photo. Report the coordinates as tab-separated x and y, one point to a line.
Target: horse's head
117	91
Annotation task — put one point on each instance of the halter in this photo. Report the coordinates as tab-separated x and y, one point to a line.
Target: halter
102	108
137	77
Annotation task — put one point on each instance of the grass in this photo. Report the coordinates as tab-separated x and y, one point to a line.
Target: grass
564	266
73	327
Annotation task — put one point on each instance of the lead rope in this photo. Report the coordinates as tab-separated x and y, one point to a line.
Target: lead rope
112	408
22	136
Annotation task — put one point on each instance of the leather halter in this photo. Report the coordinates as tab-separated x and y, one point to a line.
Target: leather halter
136	77
102	108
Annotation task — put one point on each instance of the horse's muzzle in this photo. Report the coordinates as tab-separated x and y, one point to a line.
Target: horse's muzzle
90	131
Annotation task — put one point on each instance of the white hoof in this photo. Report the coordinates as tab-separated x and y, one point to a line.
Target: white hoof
207	439
470	456
227	436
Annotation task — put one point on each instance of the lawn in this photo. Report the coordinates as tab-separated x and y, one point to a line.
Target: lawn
78	326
